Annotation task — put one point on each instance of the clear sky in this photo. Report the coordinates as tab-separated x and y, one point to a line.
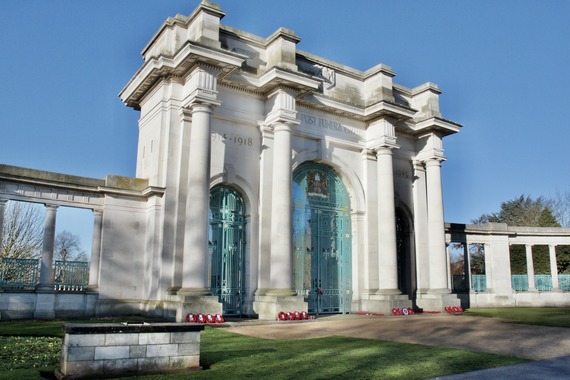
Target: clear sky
503	67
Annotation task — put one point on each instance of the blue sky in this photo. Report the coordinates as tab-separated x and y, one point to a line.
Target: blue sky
502	67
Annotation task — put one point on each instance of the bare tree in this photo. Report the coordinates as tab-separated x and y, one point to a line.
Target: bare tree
560	205
22	234
68	247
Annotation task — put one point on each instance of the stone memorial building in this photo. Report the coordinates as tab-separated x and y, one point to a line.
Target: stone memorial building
268	179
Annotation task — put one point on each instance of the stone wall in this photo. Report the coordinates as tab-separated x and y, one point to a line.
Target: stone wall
111	348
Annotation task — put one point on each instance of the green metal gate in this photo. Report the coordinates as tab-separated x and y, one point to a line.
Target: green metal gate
227	244
322	239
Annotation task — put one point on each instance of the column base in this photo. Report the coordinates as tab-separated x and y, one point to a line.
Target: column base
384	302
45	305
272	301
196	300
436	299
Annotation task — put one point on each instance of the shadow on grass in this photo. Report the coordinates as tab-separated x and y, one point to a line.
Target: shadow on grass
226	355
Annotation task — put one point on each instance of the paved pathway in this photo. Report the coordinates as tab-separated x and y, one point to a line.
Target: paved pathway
455	331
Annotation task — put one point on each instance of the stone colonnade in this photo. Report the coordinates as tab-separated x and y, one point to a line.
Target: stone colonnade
553	267
497	238
46	282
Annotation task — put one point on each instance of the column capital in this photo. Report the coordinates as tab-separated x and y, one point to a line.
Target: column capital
51	206
433	161
201	86
281	107
187	111
381	133
368	154
384	150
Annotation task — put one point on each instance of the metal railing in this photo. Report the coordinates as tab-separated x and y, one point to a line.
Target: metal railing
564	281
71	275
24	274
19	273
543	282
478	283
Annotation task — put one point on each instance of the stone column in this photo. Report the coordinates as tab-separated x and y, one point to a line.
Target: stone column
281	271
2	211
46	269
530	268
387	251
95	251
194	294
195	259
436	227
553	267
280	296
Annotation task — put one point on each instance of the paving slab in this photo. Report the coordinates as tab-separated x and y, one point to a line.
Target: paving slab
445	330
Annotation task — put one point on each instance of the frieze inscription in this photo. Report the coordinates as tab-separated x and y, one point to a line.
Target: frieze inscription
330	125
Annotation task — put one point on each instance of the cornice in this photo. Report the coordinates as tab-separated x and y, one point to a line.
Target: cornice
190	54
445	127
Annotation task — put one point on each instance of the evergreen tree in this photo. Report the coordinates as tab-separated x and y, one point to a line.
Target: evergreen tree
524	211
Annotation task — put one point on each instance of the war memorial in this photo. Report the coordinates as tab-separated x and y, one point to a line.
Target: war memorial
269	179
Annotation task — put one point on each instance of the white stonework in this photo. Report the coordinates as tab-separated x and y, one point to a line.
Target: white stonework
222	107
269	108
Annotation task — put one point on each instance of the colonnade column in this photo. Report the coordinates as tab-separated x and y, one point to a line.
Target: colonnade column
387	251
2	211
281	271
95	250
46	268
553	267
436	227
195	257
530	268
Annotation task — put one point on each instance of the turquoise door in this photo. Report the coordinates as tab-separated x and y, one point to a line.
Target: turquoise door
227	244
322	239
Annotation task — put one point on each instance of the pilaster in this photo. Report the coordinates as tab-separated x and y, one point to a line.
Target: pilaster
369	273
46	270
95	251
2	212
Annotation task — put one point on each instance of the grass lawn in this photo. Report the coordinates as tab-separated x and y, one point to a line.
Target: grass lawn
544	316
31	350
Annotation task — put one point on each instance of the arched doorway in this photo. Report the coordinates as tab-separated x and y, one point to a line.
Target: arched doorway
227	246
322	239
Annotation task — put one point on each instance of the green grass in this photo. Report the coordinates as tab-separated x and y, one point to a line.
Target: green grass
230	356
545	316
31	350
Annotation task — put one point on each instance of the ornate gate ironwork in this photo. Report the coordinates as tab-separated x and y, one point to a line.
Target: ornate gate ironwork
227	245
322	239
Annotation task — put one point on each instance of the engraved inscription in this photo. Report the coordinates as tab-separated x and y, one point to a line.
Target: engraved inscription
319	122
402	173
233	139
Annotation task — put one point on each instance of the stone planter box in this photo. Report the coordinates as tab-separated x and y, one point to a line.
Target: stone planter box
99	349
